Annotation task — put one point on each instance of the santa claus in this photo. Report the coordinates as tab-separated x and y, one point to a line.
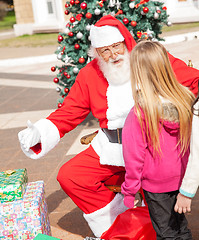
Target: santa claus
102	87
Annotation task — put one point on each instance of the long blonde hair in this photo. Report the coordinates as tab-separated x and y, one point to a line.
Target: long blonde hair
153	76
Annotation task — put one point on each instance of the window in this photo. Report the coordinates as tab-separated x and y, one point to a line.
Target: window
50	7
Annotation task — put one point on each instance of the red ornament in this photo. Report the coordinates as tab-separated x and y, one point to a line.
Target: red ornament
145	9
67	12
88	15
66	90
70	34
68	25
68	76
125	21
59	105
77	46
77	2
133	23
83	5
53	69
144	35
72	19
164	8
67	5
158	11
56	80
60	38
81	60
139	34
65	74
79	17
72	2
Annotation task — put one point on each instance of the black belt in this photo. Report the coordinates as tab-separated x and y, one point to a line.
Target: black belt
114	136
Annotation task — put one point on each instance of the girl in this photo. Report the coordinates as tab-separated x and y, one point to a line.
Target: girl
190	181
156	138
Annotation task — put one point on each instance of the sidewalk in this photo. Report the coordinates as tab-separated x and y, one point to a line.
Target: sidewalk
27	92
7	34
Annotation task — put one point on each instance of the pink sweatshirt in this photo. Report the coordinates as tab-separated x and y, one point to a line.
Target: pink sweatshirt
163	174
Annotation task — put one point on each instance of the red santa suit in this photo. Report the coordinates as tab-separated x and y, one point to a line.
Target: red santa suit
83	177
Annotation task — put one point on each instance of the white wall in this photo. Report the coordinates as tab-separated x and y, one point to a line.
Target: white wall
182	11
44	17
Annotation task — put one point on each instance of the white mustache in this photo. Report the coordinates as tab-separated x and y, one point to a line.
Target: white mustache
117	59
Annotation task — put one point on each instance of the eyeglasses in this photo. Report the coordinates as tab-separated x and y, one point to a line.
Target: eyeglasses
115	48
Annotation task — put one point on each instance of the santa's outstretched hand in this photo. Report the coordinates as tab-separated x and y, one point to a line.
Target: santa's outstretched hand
29	137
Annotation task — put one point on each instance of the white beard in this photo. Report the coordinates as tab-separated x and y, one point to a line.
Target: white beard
116	74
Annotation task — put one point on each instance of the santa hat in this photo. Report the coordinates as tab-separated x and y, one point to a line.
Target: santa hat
109	30
105	36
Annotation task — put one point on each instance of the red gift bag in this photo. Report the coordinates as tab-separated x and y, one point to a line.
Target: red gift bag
133	224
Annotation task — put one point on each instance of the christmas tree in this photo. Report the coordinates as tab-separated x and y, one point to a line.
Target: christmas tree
143	18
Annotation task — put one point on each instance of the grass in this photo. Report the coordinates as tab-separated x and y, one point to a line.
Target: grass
176	27
35	40
8	21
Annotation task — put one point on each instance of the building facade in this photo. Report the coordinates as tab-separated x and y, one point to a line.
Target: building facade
34	16
182	11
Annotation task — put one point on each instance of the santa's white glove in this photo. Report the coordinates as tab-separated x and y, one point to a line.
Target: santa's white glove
29	137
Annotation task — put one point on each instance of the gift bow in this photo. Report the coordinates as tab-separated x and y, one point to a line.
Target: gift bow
9	172
141	2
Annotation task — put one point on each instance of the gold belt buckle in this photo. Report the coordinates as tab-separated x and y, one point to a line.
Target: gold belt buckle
118	135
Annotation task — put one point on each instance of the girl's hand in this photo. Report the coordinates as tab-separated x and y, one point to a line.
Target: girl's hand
183	204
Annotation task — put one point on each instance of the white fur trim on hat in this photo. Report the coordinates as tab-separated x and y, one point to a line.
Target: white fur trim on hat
105	36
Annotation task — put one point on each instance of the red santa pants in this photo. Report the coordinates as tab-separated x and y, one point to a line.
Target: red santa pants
83	179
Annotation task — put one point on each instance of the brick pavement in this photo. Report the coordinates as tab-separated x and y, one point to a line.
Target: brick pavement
29	101
26	101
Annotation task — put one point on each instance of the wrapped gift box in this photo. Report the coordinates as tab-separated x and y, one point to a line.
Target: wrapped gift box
25	218
12	184
45	237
